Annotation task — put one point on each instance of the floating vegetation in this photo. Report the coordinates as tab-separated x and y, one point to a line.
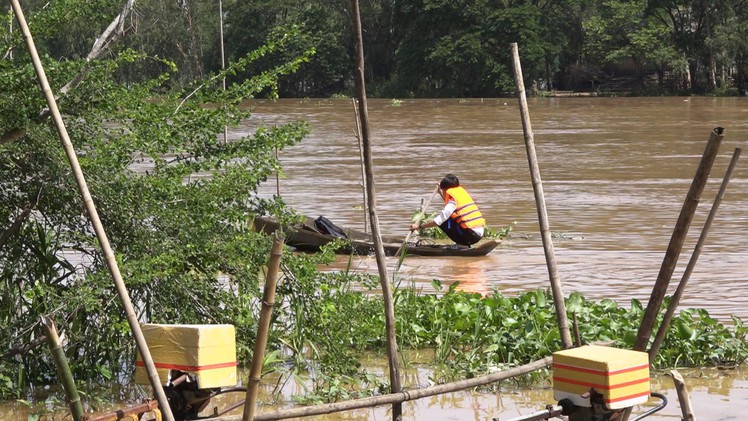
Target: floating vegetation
469	335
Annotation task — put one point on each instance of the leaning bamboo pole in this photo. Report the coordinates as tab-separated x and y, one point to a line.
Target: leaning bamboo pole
403	396
361	158
675	300
16	225
10	34
537	185
63	369
124	296
677	239
371	196
223	61
676	245
263	329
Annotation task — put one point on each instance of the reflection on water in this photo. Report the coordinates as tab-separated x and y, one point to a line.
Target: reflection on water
467	273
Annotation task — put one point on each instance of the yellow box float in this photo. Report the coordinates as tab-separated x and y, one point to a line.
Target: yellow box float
206	352
621	376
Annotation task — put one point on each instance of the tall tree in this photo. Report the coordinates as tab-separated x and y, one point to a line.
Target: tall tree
323	28
729	45
691	23
623	33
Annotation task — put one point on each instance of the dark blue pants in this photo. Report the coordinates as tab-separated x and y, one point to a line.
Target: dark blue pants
462	236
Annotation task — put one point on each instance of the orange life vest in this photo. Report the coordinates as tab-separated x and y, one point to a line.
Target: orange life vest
466	212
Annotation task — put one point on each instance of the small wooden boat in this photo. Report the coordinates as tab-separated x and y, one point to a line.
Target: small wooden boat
307	237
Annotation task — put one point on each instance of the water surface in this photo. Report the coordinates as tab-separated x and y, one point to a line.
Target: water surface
615	173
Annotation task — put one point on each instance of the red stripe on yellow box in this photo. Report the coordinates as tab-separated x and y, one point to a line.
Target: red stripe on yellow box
188	367
207	352
621	376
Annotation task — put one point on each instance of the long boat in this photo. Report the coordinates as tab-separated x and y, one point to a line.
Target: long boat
306	236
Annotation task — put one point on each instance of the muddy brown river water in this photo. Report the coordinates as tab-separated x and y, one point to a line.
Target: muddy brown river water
615	172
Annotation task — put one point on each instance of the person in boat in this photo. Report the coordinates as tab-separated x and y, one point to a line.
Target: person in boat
460	218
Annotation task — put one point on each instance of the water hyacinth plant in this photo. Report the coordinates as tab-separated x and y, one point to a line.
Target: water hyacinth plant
470	335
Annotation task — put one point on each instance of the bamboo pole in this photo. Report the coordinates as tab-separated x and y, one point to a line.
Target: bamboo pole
371	196
407	395
277	178
10	34
683	397
665	324
677	239
575	325
537	185
263	329
63	369
223	61
94	216
361	158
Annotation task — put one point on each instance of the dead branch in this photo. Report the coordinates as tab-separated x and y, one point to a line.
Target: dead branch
103	44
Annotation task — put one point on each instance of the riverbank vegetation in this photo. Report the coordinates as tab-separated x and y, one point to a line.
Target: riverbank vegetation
431	48
177	199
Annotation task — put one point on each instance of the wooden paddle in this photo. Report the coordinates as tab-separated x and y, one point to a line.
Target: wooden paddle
401	250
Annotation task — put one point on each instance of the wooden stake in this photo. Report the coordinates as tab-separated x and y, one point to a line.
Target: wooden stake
537	185
677	239
17	223
371	196
124	296
63	369
577	336
223	61
263	330
662	331
683	397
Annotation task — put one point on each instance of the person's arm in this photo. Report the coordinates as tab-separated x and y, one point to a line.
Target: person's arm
423	225
439	219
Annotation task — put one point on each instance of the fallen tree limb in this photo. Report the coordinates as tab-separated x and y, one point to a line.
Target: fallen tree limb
25	347
103	44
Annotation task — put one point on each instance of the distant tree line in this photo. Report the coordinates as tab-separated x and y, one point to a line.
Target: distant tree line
450	48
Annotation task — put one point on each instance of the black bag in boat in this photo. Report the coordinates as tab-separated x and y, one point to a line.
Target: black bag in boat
325	226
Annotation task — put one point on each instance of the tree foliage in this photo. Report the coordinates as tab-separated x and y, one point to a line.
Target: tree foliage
433	48
175	198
